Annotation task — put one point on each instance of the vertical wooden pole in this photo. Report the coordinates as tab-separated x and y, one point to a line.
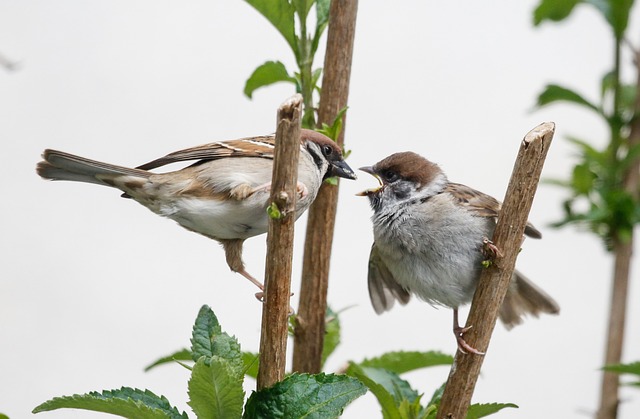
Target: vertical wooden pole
275	311
494	281
310	327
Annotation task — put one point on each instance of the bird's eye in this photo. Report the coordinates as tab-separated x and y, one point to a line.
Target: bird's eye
327	150
389	175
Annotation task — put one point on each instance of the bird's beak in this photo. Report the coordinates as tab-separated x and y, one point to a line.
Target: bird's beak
341	169
371	191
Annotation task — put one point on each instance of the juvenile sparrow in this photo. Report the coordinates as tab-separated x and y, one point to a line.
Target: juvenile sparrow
428	241
222	195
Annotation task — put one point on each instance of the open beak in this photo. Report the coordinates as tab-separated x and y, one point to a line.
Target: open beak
371	191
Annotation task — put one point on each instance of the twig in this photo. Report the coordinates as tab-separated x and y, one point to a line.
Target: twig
310	325
494	281
275	312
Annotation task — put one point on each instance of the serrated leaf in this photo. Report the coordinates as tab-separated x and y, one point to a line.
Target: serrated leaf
310	396
126	402
267	74
209	340
215	391
555	93
385	397
480	410
181	355
206	326
402	361
281	14
554	10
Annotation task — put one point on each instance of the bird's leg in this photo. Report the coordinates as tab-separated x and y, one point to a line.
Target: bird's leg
459	332
233	253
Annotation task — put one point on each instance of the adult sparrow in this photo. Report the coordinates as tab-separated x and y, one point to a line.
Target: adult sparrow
222	195
428	241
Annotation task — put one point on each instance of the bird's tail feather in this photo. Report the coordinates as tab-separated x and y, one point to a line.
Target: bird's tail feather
58	165
525	298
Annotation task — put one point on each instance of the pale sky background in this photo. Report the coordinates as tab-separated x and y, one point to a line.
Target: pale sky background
93	287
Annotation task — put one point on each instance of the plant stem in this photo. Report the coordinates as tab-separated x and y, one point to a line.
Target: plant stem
494	281
310	327
275	312
623	251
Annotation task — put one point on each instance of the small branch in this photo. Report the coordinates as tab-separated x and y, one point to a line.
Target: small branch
275	312
310	327
494	281
623	251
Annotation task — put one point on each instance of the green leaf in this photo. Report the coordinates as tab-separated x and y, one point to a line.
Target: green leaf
554	10
554	93
205	328
181	355
322	20
333	181
209	340
401	361
268	73
215	391
302	7
480	410
582	179
251	363
331	334
615	12
126	402
332	131
385	397
632	368
281	14
409	409
317	396
3	416
398	387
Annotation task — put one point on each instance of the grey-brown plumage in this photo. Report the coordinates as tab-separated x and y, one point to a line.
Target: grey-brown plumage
222	195
428	241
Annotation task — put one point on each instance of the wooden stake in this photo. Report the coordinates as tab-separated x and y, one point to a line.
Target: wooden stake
494	281
310	327
275	312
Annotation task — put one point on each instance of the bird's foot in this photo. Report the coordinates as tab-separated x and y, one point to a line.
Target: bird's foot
463	346
490	251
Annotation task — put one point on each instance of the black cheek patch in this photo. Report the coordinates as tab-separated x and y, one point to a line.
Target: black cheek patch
402	190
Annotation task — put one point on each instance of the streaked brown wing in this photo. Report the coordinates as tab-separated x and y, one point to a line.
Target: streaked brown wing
480	203
245	147
483	205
